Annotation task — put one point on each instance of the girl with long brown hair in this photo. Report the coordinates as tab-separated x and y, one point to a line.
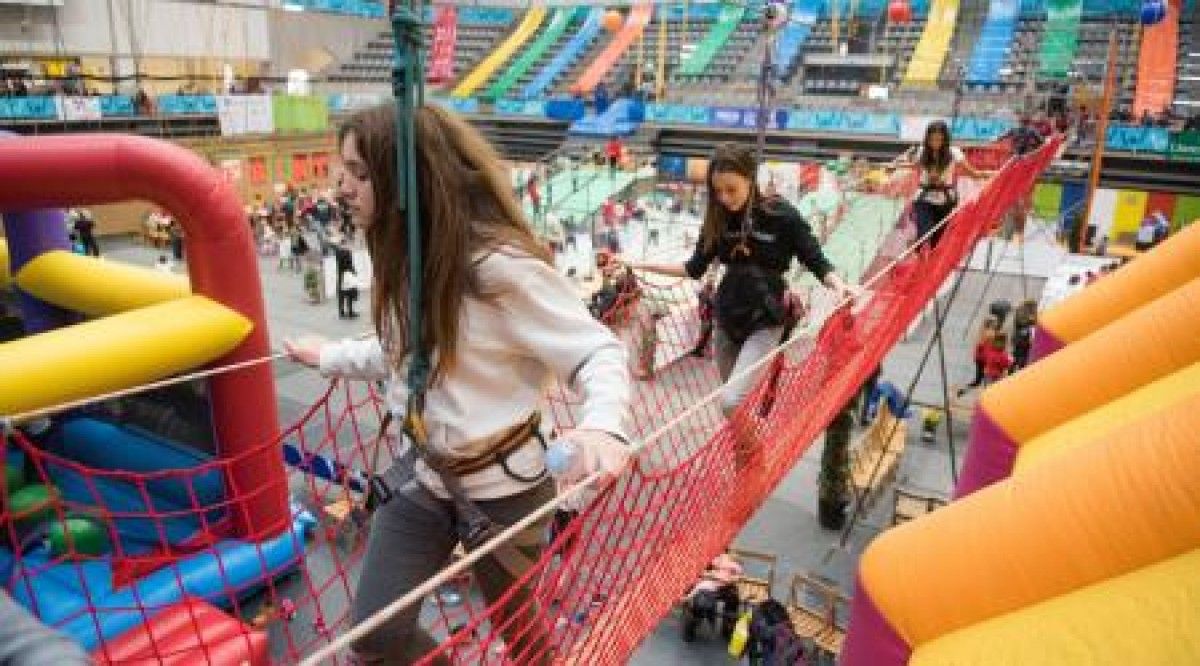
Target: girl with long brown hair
501	323
938	162
755	237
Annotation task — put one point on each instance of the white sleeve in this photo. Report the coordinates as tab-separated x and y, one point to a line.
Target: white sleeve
548	321
354	359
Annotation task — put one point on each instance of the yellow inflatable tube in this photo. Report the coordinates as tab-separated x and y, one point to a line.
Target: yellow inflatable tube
5	278
1146	617
115	352
1140	404
1151	276
1149	343
1124	501
97	288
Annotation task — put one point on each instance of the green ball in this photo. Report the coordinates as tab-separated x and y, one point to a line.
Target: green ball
33	503
87	537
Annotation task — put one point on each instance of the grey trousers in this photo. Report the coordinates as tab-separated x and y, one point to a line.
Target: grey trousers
733	358
412	537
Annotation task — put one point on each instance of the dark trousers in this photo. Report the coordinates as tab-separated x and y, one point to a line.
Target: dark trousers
978	375
706	329
1020	357
90	246
928	216
346	298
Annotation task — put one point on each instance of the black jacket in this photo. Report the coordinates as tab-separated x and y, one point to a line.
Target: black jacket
778	233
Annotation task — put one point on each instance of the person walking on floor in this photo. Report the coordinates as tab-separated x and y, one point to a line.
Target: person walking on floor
85	228
500	322
347	280
1024	319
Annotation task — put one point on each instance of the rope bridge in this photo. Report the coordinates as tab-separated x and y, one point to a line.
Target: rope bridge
139	564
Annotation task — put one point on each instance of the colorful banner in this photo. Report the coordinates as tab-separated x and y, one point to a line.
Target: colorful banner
1138	139
678	114
245	114
979	128
1185	146
320	166
518	107
342	102
231	168
299	113
441	50
852	122
1100	215
746	118
1160	202
116	105
1128	213
499	16
256	168
458	104
33	108
79	108
1187	211
1047	200
186	104
301	167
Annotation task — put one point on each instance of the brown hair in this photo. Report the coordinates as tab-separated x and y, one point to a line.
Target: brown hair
467	209
727	158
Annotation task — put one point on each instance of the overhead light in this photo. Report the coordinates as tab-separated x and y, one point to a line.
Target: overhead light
292	7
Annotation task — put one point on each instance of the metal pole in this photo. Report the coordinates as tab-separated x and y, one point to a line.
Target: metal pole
1110	78
660	87
938	317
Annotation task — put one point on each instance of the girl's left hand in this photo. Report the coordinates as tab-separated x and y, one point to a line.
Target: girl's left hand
601	451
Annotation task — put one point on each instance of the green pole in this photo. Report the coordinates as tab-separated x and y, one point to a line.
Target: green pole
408	87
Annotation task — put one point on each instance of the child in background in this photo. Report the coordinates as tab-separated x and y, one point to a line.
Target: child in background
1022	336
997	362
77	245
986	336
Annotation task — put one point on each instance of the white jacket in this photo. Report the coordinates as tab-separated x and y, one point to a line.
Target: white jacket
536	330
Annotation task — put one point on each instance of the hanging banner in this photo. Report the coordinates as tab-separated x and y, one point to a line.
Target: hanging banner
232	170
300	113
256	167
441	50
245	114
1185	146
300	167
320	166
80	108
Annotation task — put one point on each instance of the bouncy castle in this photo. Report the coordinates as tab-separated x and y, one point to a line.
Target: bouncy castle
131	542
1075	537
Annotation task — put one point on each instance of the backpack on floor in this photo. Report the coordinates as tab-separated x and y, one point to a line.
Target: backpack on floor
773	641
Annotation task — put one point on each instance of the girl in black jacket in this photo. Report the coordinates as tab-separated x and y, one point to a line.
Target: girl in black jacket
755	237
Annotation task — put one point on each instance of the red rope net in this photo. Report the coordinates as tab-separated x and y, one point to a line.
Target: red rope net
135	558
